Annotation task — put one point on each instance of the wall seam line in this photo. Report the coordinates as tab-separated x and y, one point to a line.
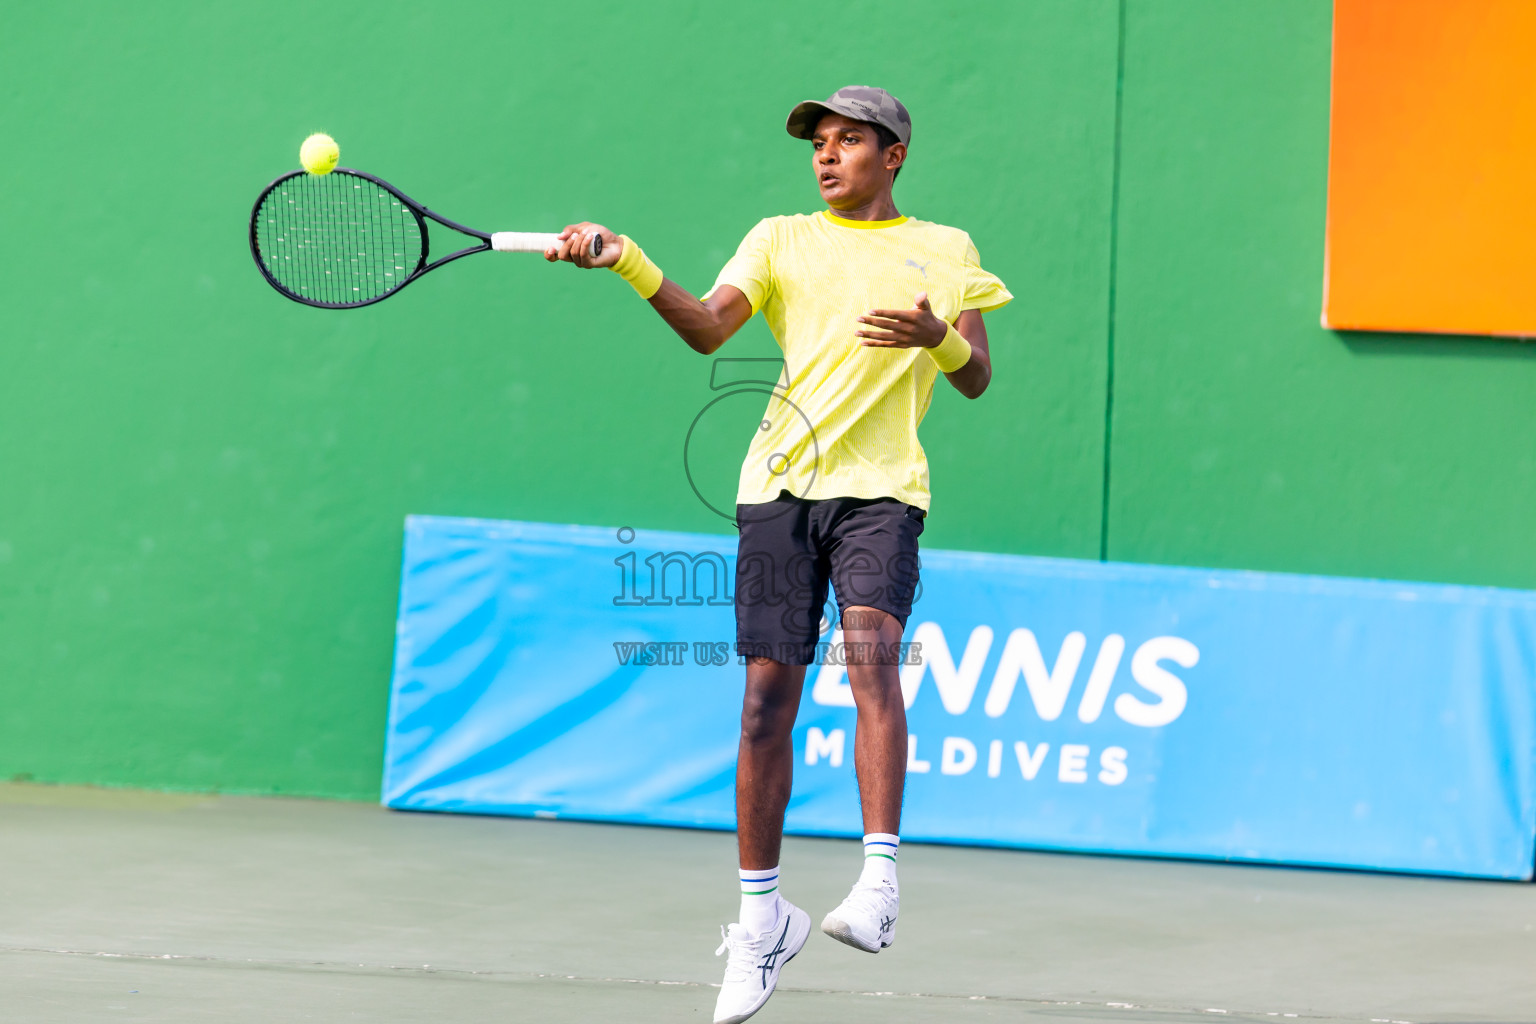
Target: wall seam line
1109	340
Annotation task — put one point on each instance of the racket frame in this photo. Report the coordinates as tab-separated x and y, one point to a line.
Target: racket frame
417	210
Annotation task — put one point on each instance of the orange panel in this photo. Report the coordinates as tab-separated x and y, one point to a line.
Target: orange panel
1432	167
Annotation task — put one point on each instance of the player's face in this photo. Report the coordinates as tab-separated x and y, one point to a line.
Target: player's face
850	167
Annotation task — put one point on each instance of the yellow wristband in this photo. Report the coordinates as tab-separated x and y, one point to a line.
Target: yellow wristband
643	276
953	352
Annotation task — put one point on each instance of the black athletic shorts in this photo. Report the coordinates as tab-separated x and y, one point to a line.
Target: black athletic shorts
791	548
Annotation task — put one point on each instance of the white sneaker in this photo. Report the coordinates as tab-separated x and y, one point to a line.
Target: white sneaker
866	919
755	961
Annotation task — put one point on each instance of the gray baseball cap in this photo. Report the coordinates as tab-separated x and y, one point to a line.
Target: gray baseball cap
860	102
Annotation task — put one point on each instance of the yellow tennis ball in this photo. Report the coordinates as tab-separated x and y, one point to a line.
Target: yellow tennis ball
319	153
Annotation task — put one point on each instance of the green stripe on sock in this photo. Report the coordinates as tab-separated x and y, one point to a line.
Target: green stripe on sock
764	892
885	855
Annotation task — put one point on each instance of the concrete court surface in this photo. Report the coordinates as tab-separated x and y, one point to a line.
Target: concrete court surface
119	905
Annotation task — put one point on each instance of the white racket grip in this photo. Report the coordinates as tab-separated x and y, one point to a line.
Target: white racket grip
533	241
523	241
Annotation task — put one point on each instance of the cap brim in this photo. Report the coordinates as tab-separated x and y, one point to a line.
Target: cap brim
802	120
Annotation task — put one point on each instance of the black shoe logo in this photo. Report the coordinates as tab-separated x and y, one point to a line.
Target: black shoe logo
771	958
886	924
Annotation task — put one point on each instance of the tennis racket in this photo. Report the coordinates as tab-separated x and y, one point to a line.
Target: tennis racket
347	239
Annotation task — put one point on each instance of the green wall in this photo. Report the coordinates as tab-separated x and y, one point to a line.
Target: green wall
1243	433
202	485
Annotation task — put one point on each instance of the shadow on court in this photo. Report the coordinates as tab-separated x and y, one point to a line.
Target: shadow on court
131	906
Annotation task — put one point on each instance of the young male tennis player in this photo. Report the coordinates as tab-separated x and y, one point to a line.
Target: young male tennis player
869	307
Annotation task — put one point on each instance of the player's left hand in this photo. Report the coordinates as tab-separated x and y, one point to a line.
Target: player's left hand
903	328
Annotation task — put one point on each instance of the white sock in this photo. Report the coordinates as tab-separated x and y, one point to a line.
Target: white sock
880	859
759	899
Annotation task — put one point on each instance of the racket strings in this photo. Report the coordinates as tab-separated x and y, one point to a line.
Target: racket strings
337	239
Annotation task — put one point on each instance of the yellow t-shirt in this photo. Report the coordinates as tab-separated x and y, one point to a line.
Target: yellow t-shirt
843	419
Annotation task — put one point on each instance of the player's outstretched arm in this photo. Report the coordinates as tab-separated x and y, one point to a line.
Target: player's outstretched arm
705	326
969	371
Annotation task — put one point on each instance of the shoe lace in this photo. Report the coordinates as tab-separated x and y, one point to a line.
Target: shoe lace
871	900
743	952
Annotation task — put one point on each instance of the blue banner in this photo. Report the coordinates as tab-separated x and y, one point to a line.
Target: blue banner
574	671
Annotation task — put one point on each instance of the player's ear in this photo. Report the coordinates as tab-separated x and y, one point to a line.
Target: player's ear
895	156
